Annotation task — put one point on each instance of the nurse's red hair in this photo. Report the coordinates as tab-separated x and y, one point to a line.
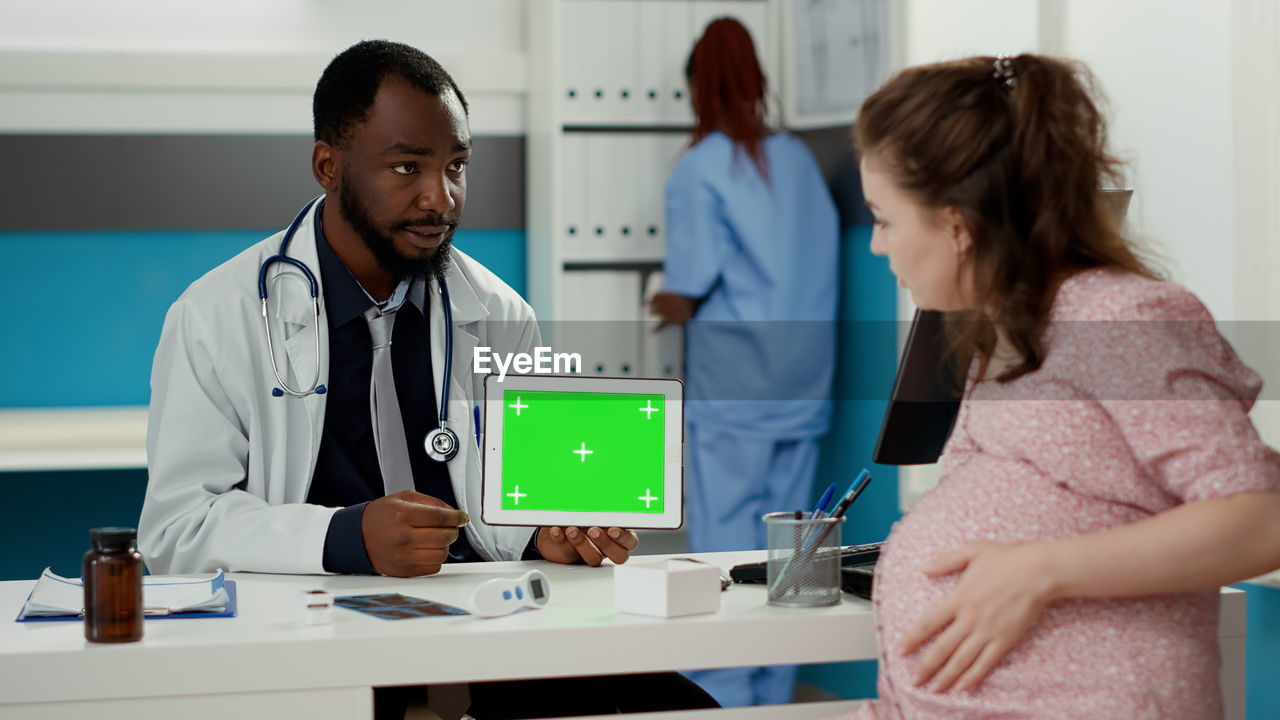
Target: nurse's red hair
728	87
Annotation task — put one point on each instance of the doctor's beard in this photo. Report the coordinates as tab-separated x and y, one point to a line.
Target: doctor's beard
380	243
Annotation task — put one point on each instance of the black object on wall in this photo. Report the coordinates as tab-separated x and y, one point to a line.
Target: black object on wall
925	400
926	394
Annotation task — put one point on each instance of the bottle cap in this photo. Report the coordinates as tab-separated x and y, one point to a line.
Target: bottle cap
113	538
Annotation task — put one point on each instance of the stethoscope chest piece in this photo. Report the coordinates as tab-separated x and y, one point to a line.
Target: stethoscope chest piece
441	444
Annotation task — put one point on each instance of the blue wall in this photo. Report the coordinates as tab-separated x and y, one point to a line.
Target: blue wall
102	297
1262	652
47	517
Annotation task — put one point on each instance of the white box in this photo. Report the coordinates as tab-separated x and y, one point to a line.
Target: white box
666	588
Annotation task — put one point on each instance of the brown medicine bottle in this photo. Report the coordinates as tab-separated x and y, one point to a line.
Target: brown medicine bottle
113	586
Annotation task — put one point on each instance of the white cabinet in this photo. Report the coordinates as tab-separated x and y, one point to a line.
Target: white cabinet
609	115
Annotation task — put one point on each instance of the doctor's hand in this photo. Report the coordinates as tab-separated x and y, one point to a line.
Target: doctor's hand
408	534
574	545
672	309
1000	596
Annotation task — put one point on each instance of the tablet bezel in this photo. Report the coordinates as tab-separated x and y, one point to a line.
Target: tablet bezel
672	390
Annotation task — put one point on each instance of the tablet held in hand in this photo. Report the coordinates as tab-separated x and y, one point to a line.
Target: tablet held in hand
583	451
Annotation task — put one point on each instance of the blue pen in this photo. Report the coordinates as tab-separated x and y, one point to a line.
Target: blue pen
855	489
818	535
821	507
476	413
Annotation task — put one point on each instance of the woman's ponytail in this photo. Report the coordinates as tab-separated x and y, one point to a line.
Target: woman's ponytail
1018	146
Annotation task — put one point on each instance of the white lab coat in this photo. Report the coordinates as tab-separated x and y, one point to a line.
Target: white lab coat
230	465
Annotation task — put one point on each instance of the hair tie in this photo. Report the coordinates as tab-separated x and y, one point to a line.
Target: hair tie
1003	71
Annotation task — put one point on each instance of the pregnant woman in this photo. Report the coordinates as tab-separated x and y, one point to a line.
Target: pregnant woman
1103	478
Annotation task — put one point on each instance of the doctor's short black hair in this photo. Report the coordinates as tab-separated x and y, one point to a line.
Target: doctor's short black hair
349	84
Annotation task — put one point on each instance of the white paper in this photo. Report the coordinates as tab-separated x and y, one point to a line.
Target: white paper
841	52
55	595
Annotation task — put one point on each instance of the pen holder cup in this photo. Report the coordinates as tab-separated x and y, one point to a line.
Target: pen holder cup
804	560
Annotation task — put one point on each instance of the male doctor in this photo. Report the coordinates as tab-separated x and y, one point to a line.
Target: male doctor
243	479
315	476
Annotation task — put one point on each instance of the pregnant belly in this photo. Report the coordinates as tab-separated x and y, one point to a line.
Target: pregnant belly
995	499
999	500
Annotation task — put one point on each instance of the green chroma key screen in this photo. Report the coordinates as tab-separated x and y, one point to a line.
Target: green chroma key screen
580	451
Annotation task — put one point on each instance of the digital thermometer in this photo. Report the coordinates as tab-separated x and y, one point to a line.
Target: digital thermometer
503	596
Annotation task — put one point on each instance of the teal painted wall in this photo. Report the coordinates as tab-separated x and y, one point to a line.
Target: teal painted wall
46	517
104	295
1262	652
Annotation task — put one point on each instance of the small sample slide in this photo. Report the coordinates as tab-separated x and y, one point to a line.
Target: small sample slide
584	451
394	606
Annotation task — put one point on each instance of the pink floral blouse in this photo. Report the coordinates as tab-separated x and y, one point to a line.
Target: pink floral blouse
1139	406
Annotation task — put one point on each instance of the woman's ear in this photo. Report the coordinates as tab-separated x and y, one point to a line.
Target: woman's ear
957	230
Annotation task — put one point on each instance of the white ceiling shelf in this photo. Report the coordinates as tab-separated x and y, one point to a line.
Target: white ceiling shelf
73	439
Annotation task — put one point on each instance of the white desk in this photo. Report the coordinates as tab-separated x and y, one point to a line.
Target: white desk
264	664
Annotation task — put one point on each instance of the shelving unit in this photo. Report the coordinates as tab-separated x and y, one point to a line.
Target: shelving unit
73	439
602	138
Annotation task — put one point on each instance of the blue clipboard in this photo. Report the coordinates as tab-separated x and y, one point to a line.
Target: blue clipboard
230	611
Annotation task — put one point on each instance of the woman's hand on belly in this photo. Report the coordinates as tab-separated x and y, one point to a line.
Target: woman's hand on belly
1000	595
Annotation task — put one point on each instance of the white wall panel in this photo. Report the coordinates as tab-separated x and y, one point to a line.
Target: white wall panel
260	26
1171	117
948	29
238	65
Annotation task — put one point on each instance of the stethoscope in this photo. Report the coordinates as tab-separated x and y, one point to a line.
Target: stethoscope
441	443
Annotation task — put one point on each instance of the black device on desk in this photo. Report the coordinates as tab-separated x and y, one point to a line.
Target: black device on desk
757	572
858	579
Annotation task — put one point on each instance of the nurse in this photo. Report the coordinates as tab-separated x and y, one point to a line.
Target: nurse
751	267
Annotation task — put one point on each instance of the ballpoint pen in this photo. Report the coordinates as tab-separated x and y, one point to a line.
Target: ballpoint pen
476	414
859	484
821	507
818	535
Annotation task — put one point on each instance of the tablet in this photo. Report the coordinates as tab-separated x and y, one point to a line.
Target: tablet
585	451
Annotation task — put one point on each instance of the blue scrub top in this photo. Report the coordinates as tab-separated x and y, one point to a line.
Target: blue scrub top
764	257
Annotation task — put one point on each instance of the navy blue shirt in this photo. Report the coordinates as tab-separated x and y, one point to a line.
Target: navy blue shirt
347	472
